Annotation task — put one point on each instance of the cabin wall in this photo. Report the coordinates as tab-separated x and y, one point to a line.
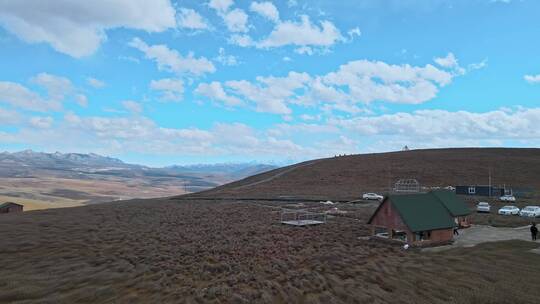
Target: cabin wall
11	209
388	217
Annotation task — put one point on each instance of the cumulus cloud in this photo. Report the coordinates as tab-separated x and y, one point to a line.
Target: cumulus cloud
532	78
41	122
132	106
221	5
95	83
352	85
215	91
21	97
270	94
265	9
236	19
171	60
301	34
59	23
190	19
58	89
224	59
499	124
170	89
8	117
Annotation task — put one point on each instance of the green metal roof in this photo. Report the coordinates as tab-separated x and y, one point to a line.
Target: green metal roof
8	203
455	206
422	211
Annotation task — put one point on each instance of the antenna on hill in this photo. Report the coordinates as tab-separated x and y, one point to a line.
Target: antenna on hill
489	181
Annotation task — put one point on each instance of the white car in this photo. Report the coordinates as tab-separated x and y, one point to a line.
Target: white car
372	196
483	207
530	211
450	188
509	210
507	198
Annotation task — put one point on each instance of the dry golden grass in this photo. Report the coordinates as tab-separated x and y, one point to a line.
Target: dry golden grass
53	192
164	251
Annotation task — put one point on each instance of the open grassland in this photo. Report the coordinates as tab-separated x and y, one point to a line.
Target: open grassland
189	251
53	192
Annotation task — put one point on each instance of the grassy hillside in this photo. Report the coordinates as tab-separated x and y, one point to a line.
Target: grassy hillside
347	177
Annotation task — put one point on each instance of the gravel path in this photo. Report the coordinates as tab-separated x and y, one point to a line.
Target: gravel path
480	234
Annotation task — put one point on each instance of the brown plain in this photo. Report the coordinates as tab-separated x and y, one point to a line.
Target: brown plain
226	250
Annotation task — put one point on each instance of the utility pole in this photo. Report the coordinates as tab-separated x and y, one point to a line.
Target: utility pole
489	181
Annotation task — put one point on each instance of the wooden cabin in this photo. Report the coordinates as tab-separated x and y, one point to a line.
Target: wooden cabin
420	219
10	207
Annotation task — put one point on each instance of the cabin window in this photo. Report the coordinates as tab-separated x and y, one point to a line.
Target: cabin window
381	232
472	190
423	235
399	235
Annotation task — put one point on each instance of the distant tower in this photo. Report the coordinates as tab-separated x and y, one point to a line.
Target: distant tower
406	148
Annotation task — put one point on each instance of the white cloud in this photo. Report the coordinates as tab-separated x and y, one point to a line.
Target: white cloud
241	40
224	59
21	97
301	34
499	124
236	20
132	106
170	60
82	100
532	78
8	117
270	94
171	89
190	19
347	89
449	61
95	83
41	122
265	9
59	23
355	32
369	81
57	87
425	128
215	91
221	5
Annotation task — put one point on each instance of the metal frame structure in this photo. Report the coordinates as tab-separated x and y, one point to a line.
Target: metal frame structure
302	217
407	185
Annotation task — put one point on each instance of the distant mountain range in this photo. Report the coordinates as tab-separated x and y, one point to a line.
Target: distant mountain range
78	178
28	159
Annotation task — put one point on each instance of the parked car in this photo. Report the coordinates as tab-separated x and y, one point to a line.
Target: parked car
483	207
508	198
530	211
451	188
372	196
509	210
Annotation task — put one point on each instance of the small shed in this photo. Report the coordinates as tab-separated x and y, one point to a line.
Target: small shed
10	207
419	219
482	190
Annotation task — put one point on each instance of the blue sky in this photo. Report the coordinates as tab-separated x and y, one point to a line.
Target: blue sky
179	82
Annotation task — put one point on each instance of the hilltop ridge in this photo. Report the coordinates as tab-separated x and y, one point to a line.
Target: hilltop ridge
347	177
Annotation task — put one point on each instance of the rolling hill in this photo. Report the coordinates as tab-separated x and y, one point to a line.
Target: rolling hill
41	180
347	177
